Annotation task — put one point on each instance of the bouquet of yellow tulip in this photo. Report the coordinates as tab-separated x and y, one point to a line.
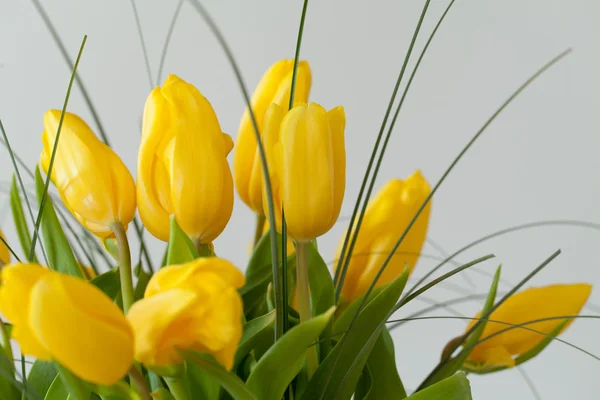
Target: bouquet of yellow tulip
195	327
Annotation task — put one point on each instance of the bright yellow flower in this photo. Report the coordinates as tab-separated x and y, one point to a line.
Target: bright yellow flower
92	180
66	319
529	305
307	158
4	252
386	218
189	306
274	87
182	164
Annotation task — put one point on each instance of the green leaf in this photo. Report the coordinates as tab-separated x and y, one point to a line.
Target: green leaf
181	249
19	217
230	382
259	274
9	386
338	374
455	387
142	281
385	383
162	394
109	282
60	255
77	389
343	321
256	331
457	362
40	378
57	390
281	363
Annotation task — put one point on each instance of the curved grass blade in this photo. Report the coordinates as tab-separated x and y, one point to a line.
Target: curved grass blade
138	24
534	392
277	275
19	219
38	221
22	186
163	55
342	268
459	342
10	249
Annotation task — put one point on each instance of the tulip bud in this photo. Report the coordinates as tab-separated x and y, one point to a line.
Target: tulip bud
520	309
386	218
92	180
307	159
193	306
182	164
274	87
66	319
4	252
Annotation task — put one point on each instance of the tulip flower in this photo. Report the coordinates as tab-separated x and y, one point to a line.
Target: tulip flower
386	218
193	306
66	319
4	252
182	164
274	87
532	304
92	180
305	149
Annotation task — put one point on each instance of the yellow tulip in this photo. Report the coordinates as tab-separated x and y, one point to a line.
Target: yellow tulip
521	308
92	180
66	319
307	158
274	87
386	218
4	252
193	306
182	164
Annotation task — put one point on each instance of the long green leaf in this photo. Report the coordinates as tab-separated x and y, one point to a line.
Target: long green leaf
455	387
57	390
40	378
9	386
255	331
19	218
337	376
234	385
384	380
109	282
282	362
60	254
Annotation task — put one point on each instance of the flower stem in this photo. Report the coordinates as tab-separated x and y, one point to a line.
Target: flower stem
139	383
124	266
260	226
178	389
312	361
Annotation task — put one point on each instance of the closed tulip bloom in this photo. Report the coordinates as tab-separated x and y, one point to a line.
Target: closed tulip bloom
274	87
193	306
530	305
386	218
182	164
4	252
307	158
66	319
92	180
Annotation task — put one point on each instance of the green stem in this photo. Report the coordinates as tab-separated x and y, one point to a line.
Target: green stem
178	389
139	383
124	266
260	226
312	361
5	343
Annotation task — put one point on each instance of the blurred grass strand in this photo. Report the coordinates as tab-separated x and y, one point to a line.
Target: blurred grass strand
53	155
163	54
277	277
138	24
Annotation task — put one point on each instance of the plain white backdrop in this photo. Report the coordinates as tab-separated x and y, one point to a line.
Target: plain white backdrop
537	161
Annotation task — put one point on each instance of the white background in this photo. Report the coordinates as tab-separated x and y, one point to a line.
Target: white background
538	160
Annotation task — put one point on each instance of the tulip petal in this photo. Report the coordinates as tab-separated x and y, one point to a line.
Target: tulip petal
84	329
15	299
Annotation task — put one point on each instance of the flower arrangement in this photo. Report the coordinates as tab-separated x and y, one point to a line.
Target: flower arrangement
195	326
